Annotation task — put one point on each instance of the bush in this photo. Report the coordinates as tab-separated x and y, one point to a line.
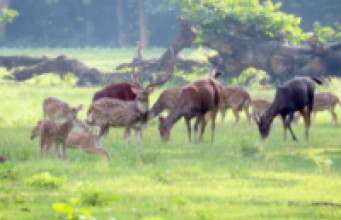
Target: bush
93	196
9	172
45	180
72	212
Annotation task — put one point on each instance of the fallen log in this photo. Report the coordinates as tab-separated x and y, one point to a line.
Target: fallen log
10	62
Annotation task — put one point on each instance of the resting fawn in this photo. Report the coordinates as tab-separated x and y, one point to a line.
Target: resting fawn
87	141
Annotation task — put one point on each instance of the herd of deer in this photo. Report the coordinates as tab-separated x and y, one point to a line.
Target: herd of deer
127	105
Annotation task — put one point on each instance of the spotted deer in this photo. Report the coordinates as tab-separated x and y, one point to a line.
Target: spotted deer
196	100
58	111
129	114
86	141
52	132
237	98
323	101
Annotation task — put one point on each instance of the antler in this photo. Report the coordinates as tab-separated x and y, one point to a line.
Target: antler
169	75
134	76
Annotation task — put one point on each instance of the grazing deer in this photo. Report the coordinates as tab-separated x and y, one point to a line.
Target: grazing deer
129	114
295	95
237	98
58	111
56	133
2	158
196	99
324	101
87	141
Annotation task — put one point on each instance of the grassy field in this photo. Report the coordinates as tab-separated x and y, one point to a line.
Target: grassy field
178	180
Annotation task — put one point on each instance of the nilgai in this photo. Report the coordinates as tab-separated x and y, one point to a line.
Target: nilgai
196	99
295	95
324	101
237	98
86	141
129	114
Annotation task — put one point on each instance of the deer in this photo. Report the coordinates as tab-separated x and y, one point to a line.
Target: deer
295	95
324	101
129	114
57	133
196	100
237	98
58	111
86	141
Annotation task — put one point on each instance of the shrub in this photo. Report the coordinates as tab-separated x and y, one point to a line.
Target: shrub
72	212
45	180
93	196
9	172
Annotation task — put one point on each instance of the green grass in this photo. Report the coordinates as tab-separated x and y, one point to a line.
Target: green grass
200	182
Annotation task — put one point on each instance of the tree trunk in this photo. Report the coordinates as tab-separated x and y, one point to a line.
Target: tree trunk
3	5
122	40
143	24
89	25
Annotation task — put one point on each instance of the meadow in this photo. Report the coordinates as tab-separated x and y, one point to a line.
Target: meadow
238	177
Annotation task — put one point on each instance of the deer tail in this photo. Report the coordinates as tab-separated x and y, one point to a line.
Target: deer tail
317	80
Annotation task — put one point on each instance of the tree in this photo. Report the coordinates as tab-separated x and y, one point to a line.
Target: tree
247	34
6	15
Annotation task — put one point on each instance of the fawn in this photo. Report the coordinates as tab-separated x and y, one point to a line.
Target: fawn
86	141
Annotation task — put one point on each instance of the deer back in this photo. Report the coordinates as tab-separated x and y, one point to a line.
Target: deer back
235	96
260	104
325	100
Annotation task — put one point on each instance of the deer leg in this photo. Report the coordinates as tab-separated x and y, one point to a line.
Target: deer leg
99	151
196	126
247	112
127	136
334	116
189	129
49	145
56	151
64	150
42	143
138	138
202	126
289	120
214	112
236	115
306	117
285	127
222	112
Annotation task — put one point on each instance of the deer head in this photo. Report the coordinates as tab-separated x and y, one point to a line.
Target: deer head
164	131
72	115
36	131
142	93
264	122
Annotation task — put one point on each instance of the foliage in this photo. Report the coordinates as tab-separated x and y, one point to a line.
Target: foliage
253	77
323	164
93	196
73	213
250	148
45	180
238	172
9	171
328	33
10	195
162	176
215	16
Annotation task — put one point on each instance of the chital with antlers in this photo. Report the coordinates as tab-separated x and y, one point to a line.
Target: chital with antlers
87	141
196	99
237	98
129	114
324	101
